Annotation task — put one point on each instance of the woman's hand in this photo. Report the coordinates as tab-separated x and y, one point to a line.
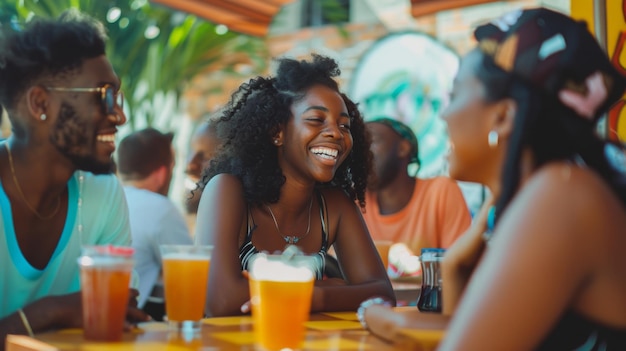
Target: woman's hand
461	259
382	321
387	324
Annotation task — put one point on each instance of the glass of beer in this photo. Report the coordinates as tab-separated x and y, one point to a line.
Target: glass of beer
280	294
105	274
185	279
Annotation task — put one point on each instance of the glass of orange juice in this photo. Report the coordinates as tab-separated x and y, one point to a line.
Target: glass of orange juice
105	275
280	294
185	279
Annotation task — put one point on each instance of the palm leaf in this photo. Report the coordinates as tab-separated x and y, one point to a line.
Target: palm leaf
162	66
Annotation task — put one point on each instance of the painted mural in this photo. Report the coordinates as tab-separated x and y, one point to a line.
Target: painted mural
408	76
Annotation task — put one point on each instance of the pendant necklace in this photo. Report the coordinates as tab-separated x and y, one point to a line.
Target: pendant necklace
19	190
292	239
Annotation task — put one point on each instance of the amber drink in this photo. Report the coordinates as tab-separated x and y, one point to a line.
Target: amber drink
280	293
185	278
105	273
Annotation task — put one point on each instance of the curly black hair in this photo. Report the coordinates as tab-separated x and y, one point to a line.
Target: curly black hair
254	115
46	49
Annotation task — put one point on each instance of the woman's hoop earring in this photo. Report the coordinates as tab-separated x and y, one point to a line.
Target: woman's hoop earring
43	117
492	139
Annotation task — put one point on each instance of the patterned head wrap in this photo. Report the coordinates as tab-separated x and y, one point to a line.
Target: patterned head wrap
556	54
405	133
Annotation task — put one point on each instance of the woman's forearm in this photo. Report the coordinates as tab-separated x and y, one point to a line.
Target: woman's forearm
348	297
228	299
388	324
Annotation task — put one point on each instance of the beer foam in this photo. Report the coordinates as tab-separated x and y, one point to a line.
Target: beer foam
277	270
185	256
104	261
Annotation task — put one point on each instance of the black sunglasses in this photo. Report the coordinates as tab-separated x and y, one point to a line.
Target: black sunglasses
108	95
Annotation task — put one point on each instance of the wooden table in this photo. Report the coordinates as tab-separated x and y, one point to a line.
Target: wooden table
329	331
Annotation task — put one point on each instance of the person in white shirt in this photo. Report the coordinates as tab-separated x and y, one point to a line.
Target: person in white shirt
145	162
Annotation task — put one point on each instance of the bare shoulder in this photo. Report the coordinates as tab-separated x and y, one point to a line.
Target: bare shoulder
224	182
567	182
221	209
341	209
223	191
568	199
337	199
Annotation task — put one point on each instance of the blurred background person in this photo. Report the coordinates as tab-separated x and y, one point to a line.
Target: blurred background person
204	144
401	208
145	161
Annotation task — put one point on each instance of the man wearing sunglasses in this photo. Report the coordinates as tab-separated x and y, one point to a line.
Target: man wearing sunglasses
57	192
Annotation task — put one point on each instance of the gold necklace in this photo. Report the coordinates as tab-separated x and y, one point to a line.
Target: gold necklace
292	239
19	190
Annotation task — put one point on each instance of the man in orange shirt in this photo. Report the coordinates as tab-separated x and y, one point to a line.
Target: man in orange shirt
401	208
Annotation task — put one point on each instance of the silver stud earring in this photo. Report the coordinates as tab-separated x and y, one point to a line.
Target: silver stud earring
492	139
43	117
276	141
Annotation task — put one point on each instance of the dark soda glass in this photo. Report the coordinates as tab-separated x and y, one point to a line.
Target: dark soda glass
430	299
430	294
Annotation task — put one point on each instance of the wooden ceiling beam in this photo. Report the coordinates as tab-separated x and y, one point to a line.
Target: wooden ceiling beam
427	7
251	17
250	10
207	10
265	7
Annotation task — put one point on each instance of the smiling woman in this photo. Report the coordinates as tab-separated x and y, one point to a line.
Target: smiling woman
294	160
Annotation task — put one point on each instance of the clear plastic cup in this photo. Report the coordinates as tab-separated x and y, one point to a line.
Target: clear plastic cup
281	288
185	279
105	275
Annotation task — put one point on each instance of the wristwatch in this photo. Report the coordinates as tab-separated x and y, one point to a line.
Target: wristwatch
360	312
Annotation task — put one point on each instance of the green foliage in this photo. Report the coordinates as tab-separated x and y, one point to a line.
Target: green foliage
334	12
155	66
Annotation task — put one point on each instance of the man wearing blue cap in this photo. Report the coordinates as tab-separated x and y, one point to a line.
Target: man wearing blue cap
401	208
